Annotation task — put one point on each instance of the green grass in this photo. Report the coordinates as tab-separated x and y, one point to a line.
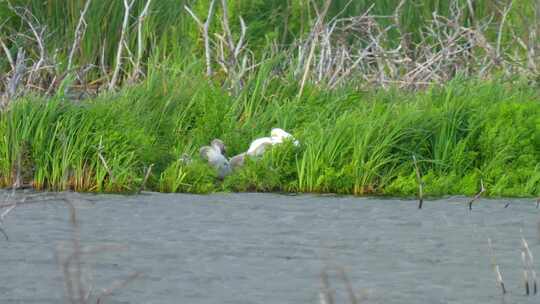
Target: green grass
353	142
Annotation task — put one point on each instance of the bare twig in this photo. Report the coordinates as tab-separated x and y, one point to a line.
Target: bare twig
348	285
204	28
127	6
325	295
79	33
529	274
498	275
420	183
315	34
478	195
142	16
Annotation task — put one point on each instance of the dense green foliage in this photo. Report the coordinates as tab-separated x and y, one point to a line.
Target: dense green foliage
351	141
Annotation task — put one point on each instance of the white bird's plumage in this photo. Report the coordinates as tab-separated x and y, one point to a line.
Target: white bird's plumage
277	136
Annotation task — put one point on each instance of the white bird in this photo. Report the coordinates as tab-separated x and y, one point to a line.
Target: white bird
258	146
277	136
214	155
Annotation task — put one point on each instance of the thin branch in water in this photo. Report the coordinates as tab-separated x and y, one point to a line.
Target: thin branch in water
498	275
325	294
348	286
420	183
528	267
478	195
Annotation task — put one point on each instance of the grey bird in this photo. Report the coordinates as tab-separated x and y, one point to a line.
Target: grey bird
214	155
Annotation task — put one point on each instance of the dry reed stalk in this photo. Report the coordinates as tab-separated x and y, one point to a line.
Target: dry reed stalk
325	294
109	171
529	274
498	275
420	183
348	286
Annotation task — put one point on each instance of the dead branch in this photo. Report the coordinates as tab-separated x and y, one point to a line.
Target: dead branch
127	7
478	195
79	33
16	77
317	30
204	29
142	16
420	184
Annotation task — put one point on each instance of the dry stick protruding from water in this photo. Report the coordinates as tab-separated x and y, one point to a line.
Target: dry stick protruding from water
529	274
420	183
348	286
478	195
79	33
204	29
537	202
121	43
325	295
146	176
498	275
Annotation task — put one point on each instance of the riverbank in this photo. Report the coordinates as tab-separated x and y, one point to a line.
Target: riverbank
352	141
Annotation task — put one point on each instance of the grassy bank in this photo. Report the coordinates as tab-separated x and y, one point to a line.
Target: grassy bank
353	141
93	94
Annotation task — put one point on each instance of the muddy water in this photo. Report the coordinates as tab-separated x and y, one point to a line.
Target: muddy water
269	248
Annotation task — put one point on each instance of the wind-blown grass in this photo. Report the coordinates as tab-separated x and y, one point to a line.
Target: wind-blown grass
351	141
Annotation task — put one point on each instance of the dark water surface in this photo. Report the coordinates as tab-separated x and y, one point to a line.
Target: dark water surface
269	248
